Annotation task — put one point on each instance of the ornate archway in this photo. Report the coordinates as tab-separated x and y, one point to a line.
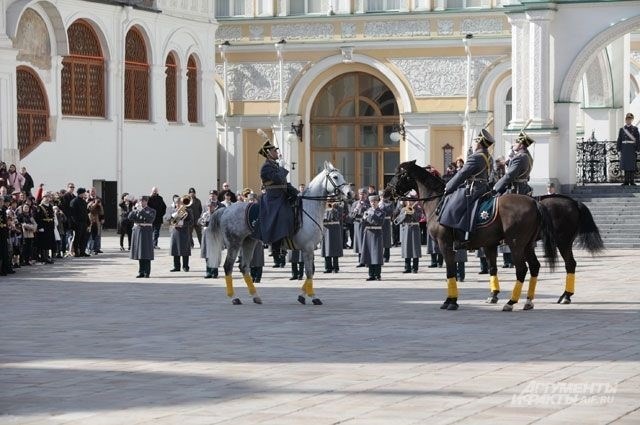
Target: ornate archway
33	110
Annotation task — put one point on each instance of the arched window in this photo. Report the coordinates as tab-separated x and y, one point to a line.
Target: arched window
136	77
33	110
171	87
192	89
83	91
351	122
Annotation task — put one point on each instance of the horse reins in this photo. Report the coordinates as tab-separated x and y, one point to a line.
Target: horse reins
334	197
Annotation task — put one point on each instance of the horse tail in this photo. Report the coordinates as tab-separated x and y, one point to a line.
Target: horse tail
588	233
548	236
215	227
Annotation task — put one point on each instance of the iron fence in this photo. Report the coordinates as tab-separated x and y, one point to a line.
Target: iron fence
598	161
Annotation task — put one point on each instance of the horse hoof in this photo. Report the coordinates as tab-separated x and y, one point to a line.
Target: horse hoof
445	304
492	299
301	299
316	301
236	301
528	305
257	300
507	307
452	306
567	300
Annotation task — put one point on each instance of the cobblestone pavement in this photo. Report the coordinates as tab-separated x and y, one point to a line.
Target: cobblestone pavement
84	342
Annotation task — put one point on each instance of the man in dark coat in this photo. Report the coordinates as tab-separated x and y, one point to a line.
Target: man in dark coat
142	217
5	259
466	187
45	236
516	177
79	219
372	244
276	214
157	203
332	243
196	212
180	230
628	145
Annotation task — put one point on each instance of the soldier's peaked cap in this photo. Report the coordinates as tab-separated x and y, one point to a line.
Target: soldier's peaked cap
266	147
525	139
485	138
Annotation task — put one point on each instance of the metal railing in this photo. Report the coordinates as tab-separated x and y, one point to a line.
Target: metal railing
598	161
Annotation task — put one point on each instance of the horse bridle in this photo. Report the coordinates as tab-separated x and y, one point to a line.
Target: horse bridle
336	189
411	198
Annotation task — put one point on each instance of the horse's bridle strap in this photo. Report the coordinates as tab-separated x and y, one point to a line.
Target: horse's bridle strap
428	198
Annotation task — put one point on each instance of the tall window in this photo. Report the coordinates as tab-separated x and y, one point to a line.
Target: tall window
33	110
351	121
192	89
136	77
382	5
304	7
461	4
229	8
83	91
171	87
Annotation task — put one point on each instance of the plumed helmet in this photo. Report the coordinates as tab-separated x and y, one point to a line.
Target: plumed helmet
266	147
485	138
524	139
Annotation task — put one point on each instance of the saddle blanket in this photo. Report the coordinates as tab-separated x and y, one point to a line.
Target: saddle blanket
252	218
486	211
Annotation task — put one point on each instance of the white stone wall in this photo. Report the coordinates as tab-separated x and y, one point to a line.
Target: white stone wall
138	155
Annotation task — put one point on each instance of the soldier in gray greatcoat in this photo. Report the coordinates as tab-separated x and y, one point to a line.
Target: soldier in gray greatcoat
518	168
372	244
208	248
142	217
357	210
387	206
628	145
332	238
409	221
180	229
465	188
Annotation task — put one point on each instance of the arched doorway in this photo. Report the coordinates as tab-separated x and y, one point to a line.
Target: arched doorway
33	111
351	120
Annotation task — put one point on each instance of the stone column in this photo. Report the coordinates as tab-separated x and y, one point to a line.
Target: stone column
620	62
540	82
183	102
8	106
417	139
519	65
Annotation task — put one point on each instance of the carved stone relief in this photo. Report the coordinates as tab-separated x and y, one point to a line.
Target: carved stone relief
32	40
394	29
302	31
348	30
258	81
256	32
229	33
481	26
442	76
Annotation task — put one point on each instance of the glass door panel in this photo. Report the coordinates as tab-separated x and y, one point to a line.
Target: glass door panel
369	168
345	136
369	136
321	136
345	161
318	160
391	161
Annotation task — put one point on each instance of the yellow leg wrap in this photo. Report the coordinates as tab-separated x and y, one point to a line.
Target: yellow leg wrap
531	291
249	281
308	283
452	288
570	283
494	283
517	291
228	280
303	288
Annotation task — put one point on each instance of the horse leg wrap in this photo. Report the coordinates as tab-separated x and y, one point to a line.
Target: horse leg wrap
228	280
531	291
452	288
303	288
308	284
249	281
517	290
494	284
570	283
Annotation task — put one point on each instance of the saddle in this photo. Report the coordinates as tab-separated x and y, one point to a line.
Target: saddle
252	219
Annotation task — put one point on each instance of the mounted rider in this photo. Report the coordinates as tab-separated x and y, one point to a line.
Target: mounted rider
276	213
466	187
516	178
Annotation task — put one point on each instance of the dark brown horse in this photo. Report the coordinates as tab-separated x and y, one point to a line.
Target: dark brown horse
519	221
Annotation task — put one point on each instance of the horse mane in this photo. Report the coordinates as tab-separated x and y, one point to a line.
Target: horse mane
419	173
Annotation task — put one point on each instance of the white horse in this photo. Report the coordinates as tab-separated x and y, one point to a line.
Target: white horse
229	225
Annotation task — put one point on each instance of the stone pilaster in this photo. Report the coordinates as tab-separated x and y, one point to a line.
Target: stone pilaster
540	88
8	107
519	73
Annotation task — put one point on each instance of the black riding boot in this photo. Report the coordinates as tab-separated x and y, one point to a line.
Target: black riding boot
407	265
460	271
484	265
440	260
185	263
372	273
386	255
414	267
209	273
300	271
336	266
328	267
294	271
434	261
508	262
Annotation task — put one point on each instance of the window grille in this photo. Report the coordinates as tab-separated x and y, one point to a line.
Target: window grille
82	77
171	87
136	77
33	110
192	90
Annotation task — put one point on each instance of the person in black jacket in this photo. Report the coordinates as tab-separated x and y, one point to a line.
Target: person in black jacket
28	181
79	219
157	203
